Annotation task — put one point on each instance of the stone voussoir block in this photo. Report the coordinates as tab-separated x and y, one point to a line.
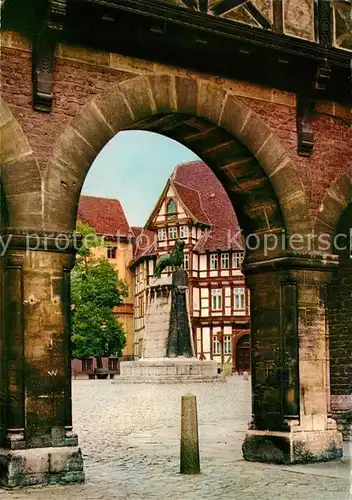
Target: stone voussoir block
139	97
164	93
234	115
210	101
187	92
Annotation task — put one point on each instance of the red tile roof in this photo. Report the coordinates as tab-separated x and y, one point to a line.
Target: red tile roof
206	199
144	243
104	214
191	199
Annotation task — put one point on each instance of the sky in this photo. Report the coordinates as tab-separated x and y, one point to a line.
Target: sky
134	167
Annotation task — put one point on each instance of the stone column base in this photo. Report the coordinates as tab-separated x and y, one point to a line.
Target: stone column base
63	464
292	447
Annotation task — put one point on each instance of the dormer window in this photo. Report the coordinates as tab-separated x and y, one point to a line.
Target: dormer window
171	208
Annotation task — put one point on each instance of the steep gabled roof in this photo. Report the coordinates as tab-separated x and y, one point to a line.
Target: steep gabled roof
192	202
144	243
203	193
106	215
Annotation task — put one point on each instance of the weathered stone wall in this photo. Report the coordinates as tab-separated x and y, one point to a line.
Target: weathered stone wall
79	74
340	333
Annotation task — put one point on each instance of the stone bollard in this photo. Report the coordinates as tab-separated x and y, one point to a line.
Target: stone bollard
245	376
189	460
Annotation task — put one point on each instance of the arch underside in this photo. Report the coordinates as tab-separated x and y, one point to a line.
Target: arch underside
248	187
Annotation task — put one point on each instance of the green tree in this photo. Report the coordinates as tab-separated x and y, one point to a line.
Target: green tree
95	290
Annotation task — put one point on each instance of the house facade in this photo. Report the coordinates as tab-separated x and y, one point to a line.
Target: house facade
194	207
108	219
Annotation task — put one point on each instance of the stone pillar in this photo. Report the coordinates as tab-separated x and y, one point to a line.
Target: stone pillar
340	340
290	365
39	446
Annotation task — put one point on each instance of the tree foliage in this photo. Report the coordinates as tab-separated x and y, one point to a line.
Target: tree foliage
95	290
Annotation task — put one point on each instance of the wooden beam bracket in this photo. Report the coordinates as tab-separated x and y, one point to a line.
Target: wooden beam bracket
43	53
305	138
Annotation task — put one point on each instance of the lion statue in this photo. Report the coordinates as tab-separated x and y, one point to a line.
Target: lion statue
173	260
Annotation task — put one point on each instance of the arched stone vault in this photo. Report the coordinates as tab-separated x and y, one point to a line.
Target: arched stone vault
19	174
255	169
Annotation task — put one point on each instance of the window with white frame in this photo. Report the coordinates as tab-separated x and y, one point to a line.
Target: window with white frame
216	345
227	344
237	259
111	252
224	261
172	233
216	299
214	261
161	234
239	298
183	231
186	261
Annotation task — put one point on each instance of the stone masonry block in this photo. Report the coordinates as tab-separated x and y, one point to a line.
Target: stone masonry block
139	97
164	93
233	116
210	101
187	91
114	108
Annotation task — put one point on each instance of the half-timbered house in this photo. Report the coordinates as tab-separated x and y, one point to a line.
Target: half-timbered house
194	207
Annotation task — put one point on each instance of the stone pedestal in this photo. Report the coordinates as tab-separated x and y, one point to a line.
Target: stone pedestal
168	354
292	447
291	421
168	371
35	466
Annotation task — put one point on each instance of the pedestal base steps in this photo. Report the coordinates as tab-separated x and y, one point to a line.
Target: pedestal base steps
292	447
168	370
34	466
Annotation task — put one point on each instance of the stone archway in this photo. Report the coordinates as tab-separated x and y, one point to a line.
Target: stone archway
251	163
258	174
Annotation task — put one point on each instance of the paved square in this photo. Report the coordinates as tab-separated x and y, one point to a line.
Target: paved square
129	435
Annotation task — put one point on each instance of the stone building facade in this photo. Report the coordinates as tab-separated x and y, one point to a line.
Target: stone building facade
194	207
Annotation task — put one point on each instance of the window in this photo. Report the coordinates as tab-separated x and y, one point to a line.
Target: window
161	234
227	344
171	208
87	365
239	298
111	252
172	233
216	299
214	261
237	259
186	261
140	306
183	231
216	345
224	261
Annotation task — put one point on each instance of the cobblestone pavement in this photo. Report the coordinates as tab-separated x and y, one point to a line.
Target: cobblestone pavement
129	436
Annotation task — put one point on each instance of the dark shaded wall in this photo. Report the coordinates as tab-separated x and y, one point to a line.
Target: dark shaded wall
340	328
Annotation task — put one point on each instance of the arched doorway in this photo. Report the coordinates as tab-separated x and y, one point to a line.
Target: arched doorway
243	354
267	194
